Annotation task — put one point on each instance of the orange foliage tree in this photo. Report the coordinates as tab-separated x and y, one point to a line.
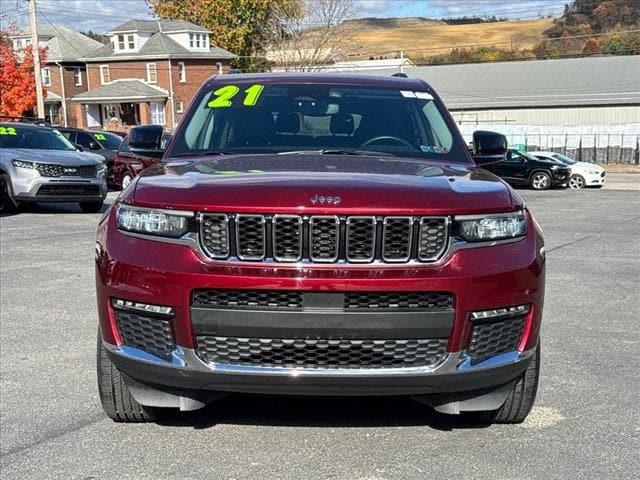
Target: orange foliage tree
17	83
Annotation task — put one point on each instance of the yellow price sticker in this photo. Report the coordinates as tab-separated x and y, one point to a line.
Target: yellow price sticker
8	131
223	97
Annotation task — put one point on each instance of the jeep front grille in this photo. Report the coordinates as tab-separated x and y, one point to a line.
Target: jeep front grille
321	353
324	238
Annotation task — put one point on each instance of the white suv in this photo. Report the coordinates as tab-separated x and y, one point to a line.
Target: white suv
583	174
38	164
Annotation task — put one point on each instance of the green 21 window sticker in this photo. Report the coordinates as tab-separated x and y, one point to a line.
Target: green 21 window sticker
8	131
224	96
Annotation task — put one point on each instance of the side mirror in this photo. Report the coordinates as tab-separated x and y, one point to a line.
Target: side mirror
488	147
93	146
79	147
146	140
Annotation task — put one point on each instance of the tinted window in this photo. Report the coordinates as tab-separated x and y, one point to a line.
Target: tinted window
109	141
564	159
124	146
252	118
514	157
12	136
68	135
86	141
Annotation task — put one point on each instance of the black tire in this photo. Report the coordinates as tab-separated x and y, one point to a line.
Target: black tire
127	178
520	401
91	207
540	181
577	182
117	401
7	204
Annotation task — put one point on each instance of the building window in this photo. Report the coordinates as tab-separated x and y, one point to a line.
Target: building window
131	42
182	72
104	74
46	76
179	107
152	73
120	42
219	67
157	113
77	76
191	40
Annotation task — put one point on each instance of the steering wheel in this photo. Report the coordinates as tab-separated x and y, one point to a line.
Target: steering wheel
387	137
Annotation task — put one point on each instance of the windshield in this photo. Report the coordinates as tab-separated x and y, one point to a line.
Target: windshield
15	136
256	118
563	159
109	141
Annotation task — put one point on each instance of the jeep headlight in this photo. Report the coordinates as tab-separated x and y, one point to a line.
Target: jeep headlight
498	226
23	164
152	222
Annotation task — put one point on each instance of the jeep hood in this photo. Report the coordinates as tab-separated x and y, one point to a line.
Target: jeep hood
288	183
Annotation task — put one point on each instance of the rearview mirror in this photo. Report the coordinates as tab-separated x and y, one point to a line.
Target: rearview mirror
147	140
488	147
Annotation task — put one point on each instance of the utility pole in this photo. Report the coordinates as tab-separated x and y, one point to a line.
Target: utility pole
36	57
401	61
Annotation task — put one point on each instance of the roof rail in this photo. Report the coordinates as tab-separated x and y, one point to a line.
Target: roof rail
400	74
34	120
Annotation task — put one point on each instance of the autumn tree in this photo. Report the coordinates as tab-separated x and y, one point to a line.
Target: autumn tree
311	35
17	83
240	26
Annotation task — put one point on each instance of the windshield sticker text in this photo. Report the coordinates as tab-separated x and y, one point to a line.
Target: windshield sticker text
224	96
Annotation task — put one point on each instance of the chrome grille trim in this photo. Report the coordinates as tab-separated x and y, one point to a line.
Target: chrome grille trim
240	221
224	222
386	240
445	241
312	238
352	256
358	240
276	244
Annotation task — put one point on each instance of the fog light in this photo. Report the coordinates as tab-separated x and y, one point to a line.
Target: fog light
141	307
500	313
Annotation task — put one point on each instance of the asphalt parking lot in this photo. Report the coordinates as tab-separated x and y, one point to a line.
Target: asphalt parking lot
586	423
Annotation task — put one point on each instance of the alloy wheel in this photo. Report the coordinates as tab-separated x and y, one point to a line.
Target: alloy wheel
540	181
576	182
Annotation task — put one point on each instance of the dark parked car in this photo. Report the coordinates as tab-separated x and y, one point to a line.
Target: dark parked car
319	235
129	162
525	170
100	142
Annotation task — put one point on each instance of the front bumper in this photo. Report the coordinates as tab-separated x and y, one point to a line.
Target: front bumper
187	371
160	273
560	178
29	186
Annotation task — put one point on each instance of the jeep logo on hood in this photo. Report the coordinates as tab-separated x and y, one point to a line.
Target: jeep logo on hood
329	200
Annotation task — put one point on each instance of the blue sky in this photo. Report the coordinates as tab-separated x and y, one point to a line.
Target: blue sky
101	15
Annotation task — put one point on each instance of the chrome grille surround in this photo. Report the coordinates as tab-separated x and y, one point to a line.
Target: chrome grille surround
397	233
324	238
214	231
250	237
361	239
357	239
287	238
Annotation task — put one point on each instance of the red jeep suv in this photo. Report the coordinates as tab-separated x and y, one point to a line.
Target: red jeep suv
319	235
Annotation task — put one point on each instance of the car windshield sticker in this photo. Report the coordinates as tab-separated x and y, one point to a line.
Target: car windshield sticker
422	95
433	149
8	131
225	97
100	136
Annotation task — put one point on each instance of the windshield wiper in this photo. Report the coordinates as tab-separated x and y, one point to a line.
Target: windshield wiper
201	154
336	151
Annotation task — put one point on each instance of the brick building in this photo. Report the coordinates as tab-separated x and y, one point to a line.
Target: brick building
63	74
147	74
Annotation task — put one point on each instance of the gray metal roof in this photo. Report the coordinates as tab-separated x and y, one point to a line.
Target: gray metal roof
122	90
159	45
66	45
157	26
567	82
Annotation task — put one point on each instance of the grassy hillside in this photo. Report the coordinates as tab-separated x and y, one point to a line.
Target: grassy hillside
374	38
